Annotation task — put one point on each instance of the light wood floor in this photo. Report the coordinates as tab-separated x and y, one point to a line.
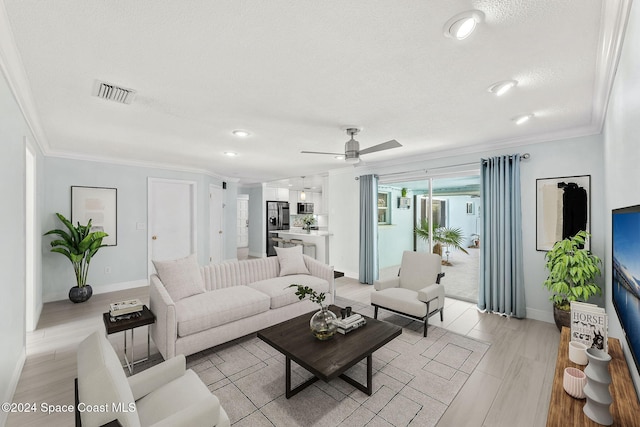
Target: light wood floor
510	387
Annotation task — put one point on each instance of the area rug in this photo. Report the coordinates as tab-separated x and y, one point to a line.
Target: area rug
414	380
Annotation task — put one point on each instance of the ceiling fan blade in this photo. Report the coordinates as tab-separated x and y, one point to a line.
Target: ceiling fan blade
322	152
384	146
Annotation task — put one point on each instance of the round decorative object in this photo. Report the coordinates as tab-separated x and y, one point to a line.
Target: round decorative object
578	353
82	294
573	382
321	324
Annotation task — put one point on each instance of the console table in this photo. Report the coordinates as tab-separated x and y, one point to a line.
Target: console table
565	410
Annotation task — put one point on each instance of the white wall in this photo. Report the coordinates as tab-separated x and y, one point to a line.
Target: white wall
548	159
128	260
622	156
13	131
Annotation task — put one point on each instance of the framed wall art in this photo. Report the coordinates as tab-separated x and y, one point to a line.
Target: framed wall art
100	205
563	207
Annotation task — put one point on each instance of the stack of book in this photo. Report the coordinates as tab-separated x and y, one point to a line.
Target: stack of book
589	324
125	309
350	323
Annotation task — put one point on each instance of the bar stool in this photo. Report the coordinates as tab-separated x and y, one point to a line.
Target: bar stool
304	245
280	242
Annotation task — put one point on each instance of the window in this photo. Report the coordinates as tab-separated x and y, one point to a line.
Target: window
384	211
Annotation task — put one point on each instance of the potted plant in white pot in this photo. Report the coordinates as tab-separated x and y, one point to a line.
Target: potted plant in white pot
79	244
572	270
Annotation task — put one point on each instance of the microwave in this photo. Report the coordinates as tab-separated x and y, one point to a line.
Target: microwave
305	208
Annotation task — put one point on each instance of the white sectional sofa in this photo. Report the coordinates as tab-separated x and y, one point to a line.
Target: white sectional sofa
200	307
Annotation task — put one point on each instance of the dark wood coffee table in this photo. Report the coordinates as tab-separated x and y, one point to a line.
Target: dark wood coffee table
329	359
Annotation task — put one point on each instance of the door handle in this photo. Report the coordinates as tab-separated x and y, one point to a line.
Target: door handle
154	238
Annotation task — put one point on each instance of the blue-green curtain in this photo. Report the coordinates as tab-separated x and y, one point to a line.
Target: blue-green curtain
368	229
501	271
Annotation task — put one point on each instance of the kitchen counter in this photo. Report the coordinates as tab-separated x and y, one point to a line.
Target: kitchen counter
320	238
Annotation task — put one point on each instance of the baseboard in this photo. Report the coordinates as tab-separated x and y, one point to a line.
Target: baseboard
257	254
543	316
100	289
13	385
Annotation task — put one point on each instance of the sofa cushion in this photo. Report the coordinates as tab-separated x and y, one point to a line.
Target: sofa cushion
281	294
181	277
291	261
400	299
214	308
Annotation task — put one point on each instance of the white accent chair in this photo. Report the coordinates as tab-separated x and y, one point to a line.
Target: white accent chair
166	394
416	292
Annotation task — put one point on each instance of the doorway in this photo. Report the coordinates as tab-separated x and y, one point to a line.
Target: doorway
216	221
242	226
451	204
30	247
171	218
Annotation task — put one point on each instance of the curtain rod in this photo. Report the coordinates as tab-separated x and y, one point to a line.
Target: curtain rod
524	156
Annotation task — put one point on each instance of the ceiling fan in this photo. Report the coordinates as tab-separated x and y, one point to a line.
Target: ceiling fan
352	150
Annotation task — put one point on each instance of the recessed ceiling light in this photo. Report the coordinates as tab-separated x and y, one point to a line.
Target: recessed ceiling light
241	133
463	24
230	153
522	119
502	87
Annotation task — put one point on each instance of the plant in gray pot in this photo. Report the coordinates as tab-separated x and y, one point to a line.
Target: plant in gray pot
79	244
572	270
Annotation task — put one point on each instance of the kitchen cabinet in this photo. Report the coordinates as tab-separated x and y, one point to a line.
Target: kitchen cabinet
278	194
317	203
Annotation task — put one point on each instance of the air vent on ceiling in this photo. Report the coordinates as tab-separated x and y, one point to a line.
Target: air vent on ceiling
112	92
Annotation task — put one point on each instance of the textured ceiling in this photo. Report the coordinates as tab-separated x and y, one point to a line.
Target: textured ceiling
294	72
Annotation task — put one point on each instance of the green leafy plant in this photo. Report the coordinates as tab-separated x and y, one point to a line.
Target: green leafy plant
572	270
403	192
79	244
303	291
308	221
442	236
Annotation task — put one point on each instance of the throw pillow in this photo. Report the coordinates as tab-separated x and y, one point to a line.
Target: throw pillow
181	277
291	261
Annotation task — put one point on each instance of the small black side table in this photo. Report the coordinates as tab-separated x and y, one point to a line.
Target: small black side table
147	318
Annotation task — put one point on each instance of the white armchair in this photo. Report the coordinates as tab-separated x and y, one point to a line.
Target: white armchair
416	292
166	394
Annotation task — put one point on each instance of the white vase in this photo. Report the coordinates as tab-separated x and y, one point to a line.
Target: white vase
578	353
597	388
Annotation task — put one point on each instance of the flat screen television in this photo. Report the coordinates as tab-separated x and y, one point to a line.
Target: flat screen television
625	224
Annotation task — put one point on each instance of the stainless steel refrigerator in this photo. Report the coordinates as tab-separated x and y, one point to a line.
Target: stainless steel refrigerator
277	219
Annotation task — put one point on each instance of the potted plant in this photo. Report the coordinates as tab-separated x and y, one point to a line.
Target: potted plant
442	236
308	221
79	244
572	270
322	323
403	192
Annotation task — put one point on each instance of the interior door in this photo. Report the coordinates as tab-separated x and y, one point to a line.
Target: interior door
243	222
216	221
171	219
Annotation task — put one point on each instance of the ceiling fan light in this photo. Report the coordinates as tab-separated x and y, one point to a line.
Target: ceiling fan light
351	159
500	88
463	24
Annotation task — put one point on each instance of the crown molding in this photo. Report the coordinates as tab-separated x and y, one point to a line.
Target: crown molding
16	77
615	15
136	163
